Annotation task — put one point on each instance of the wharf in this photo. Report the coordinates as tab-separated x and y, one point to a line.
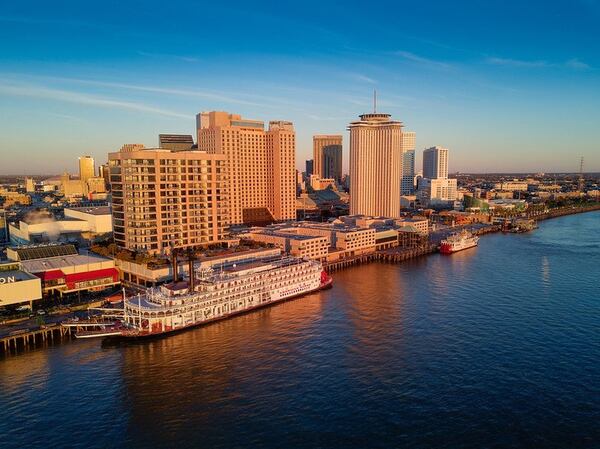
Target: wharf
30	338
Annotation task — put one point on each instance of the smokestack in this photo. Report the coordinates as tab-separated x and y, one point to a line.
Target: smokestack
191	272
174	260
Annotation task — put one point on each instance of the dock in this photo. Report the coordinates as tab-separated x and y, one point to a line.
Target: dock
26	339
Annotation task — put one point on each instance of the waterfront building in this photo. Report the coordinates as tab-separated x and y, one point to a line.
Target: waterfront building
80	224
62	269
435	163
292	242
164	198
87	168
176	142
18	286
375	165
261	164
327	156
305	238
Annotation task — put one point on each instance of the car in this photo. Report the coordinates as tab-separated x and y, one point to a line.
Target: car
41	312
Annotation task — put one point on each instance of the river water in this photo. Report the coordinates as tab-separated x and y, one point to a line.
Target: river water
497	347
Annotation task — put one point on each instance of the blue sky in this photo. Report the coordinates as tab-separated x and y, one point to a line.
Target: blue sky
506	86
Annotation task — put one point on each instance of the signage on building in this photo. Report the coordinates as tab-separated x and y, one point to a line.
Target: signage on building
8	280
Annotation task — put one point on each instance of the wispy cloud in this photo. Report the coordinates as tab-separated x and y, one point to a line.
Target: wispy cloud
45	93
168	56
573	63
422	60
362	78
577	64
207	95
516	62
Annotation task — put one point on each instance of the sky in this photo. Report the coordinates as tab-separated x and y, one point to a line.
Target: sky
507	86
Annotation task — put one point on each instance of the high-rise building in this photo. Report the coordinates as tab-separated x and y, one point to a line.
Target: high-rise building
375	165
408	162
164	198
310	168
327	156
261	164
435	163
86	168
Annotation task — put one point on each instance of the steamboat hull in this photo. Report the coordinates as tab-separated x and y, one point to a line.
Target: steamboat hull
138	335
446	248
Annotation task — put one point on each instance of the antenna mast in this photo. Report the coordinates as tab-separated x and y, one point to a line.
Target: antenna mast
581	180
374	101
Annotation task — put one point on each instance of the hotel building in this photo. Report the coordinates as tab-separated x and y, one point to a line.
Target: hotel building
375	165
165	198
261	164
327	156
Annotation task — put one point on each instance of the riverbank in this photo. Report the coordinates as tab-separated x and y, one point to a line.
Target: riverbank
393	256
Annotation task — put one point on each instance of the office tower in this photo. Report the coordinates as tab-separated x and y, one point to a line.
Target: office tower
176	142
435	163
327	156
164	198
309	168
261	164
408	162
375	165
86	168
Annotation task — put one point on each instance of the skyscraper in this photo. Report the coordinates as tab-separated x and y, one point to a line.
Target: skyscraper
327	156
375	165
309	168
261	164
166	198
435	163
408	162
86	168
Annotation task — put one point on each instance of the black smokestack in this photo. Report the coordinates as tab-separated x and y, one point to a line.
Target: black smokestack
191	271
174	260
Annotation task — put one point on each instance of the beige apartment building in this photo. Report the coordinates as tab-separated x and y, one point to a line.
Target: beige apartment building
165	198
375	165
261	164
327	156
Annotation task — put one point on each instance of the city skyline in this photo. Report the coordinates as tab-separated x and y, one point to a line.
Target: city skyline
521	89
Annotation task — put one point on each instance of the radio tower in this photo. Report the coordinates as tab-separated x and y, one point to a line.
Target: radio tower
581	180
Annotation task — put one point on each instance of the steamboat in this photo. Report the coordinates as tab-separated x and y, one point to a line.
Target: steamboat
458	242
208	295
